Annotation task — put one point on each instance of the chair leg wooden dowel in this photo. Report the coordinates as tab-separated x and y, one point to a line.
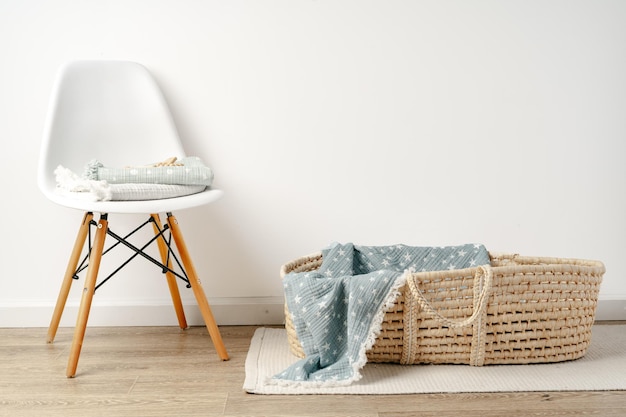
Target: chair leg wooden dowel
171	279
87	296
197	288
68	279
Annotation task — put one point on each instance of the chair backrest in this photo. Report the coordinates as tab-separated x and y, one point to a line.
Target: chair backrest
112	111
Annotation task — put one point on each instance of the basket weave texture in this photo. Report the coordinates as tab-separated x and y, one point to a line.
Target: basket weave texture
536	310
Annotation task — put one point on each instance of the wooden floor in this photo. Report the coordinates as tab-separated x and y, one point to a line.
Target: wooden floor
164	371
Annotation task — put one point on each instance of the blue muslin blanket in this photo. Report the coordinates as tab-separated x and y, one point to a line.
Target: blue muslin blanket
186	171
167	179
337	310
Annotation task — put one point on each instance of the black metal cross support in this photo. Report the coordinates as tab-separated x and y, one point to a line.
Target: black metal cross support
137	251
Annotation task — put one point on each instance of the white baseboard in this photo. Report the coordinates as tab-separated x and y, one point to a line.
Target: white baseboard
614	309
227	311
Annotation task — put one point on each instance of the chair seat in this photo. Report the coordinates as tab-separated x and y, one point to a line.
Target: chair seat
144	206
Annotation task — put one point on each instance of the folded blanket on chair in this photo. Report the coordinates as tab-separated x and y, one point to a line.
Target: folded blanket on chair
337	310
71	185
186	171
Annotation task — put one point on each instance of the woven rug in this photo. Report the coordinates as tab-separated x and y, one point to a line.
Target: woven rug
602	368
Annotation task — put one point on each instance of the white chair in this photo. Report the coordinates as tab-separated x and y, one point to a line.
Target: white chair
115	112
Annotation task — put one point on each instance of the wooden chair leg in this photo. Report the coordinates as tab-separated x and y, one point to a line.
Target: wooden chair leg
171	279
69	276
87	297
196	286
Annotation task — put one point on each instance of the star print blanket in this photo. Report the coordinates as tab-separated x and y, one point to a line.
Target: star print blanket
338	309
186	171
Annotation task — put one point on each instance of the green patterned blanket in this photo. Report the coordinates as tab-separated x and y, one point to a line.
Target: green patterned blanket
337	310
186	171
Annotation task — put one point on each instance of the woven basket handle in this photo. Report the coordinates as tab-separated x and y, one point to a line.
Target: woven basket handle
484	273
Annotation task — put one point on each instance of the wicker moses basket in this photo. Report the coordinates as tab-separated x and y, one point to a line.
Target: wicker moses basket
519	310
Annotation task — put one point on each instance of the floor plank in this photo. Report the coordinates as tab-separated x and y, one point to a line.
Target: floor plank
165	371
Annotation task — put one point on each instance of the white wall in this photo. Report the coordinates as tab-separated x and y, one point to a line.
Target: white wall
377	122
